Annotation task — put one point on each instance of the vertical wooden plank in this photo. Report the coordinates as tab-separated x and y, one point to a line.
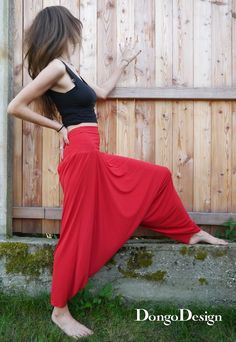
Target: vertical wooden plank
164	134
47	3
32	144
87	58
221	43
233	42
221	156
183	111
50	179
233	164
145	75
202	156
164	75
107	111
74	8
202	43
145	130
125	109
183	150
232	208
88	51
183	43
17	21
50	160
202	109
106	52
221	110
126	128
5	122
164	42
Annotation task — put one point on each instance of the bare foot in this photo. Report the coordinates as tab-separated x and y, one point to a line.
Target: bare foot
204	236
63	319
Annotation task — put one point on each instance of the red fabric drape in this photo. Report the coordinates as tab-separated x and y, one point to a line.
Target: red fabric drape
106	197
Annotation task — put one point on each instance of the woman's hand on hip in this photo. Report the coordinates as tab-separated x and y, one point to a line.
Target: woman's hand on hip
63	138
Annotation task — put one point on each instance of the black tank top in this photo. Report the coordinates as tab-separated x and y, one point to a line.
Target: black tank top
76	105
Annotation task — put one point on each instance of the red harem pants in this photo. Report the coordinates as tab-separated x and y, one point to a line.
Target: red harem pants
106	197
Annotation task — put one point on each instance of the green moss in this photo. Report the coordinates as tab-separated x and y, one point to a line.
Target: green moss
219	252
156	276
20	261
183	250
202	281
200	254
129	274
153	276
139	258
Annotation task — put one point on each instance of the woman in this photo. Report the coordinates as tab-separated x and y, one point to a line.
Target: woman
106	197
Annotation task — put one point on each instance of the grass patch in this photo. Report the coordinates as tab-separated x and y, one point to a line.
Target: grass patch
24	318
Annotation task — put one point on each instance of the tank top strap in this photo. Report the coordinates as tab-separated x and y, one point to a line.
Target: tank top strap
70	72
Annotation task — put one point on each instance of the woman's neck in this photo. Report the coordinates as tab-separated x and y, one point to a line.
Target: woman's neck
67	60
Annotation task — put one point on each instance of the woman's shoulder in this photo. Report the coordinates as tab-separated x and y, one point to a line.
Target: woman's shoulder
57	65
55	70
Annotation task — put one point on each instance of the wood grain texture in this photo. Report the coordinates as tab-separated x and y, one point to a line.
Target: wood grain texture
221	43
31	143
106	61
164	79
183	151
221	156
233	42
233	160
125	124
164	134
144	21
174	105
202	109
183	111
202	156
50	159
17	173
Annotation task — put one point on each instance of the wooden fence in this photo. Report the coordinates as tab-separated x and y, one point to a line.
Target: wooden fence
174	106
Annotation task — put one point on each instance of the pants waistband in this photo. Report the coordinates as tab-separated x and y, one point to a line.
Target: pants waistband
80	129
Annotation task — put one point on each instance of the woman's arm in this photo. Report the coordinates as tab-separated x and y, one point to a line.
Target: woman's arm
127	55
103	91
44	80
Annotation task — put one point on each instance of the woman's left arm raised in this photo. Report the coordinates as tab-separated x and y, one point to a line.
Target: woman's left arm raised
103	90
127	55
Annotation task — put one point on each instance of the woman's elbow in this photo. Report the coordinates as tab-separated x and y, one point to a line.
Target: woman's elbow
12	108
104	95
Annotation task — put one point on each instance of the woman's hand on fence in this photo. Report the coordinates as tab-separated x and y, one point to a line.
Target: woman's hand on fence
63	140
128	52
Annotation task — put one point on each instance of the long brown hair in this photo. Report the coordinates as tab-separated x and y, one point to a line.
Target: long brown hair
45	39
